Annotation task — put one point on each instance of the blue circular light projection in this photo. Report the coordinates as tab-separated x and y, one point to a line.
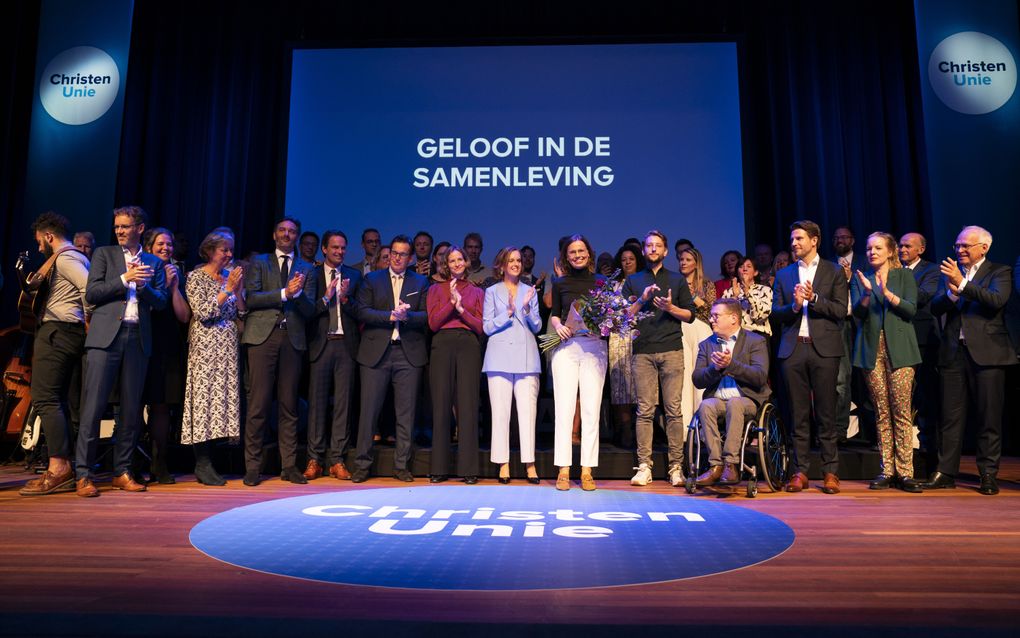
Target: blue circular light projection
491	537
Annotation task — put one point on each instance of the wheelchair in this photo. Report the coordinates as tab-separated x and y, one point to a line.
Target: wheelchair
764	436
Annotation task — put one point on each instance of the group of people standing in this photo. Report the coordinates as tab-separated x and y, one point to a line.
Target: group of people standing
432	308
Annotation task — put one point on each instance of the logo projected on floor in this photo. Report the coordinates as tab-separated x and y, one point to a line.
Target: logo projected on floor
491	537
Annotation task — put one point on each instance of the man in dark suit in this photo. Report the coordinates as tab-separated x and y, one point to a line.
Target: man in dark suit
809	301
973	357
333	351
125	285
391	305
280	287
843	245
733	369
926	388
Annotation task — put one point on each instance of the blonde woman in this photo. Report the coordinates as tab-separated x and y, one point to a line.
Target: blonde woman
702	288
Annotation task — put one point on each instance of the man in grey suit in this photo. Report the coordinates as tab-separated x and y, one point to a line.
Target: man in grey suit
125	285
280	287
733	369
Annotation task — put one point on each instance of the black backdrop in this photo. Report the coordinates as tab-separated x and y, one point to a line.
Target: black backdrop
830	101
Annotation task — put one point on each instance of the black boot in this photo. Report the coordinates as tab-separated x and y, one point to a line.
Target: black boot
205	473
158	470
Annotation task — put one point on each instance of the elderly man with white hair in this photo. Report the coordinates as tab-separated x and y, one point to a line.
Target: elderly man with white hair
973	356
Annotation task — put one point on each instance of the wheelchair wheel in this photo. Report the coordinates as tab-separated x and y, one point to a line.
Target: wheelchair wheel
695	460
773	447
752	488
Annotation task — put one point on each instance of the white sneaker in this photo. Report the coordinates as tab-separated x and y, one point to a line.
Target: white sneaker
676	476
643	476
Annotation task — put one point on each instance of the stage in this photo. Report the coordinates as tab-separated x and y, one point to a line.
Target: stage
862	563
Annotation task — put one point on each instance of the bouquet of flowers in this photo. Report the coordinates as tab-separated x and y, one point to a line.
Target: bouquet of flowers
603	311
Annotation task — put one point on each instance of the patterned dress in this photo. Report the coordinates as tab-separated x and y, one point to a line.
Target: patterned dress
622	382
212	399
756	304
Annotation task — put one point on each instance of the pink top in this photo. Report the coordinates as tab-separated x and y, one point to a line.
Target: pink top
442	314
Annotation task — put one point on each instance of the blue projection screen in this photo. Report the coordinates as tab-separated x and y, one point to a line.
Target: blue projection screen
523	144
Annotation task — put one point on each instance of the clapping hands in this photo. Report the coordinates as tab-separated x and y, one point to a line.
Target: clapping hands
294	286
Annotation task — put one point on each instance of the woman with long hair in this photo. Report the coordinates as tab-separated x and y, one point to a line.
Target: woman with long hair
512	364
702	289
884	303
455	365
578	363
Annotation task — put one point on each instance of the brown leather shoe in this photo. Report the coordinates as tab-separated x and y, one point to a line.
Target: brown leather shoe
587	483
831	485
313	470
711	476
339	471
127	483
85	487
798	482
730	475
49	483
563	481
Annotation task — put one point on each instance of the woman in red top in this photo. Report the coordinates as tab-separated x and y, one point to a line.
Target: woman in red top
455	367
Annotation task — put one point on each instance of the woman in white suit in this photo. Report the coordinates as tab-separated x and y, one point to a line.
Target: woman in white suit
510	319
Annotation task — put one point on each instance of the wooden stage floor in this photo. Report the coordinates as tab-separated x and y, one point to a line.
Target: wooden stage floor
863	563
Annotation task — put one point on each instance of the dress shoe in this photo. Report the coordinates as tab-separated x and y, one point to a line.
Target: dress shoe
563	481
313	470
504	480
587	483
85	487
359	475
730	475
939	481
831	484
50	483
437	478
403	475
910	485
252	478
988	485
159	474
339	471
534	480
797	483
472	480
293	475
127	483
710	476
881	482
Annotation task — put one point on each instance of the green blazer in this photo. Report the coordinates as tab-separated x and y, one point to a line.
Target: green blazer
900	337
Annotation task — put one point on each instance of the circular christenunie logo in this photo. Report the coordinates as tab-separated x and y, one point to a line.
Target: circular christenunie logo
79	85
491	538
972	73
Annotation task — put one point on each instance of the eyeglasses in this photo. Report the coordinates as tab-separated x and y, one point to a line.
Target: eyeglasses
394	253
117	227
966	246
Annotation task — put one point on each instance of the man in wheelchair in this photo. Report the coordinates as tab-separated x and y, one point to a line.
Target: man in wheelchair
733	368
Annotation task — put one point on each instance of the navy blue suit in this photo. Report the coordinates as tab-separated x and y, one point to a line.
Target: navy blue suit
116	349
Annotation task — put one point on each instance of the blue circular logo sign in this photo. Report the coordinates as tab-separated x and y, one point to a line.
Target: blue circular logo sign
491	538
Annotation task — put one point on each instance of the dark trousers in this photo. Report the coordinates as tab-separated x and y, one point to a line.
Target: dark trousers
56	355
455	370
396	369
333	370
125	361
969	388
844	379
809	375
273	365
927	395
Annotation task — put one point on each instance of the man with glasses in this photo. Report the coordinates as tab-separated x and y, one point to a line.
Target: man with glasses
370	242
391	305
973	357
125	285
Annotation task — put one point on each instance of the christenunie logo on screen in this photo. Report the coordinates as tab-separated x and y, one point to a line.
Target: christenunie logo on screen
494	163
972	73
79	85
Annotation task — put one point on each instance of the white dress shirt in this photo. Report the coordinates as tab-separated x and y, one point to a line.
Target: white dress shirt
807	273
727	388
396	282
131	310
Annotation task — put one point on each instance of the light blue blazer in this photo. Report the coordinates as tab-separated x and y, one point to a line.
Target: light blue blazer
512	347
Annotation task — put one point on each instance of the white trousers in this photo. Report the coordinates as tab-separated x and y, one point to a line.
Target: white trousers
504	387
580	363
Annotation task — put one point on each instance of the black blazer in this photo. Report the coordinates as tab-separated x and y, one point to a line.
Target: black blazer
980	311
263	284
927	275
375	303
825	315
318	325
749	366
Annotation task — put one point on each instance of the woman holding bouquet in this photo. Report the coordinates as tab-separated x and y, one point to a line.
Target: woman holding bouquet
512	364
455	365
579	362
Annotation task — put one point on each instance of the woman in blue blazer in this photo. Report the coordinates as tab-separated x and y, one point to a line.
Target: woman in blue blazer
886	349
510	319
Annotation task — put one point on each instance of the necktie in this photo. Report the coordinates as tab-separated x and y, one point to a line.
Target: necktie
285	271
334	317
398	282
